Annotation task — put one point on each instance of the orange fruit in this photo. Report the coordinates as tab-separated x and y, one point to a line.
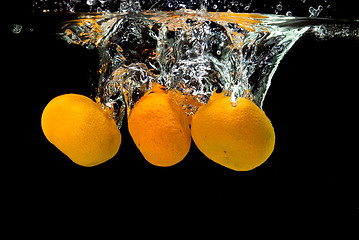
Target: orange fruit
81	129
238	137
159	129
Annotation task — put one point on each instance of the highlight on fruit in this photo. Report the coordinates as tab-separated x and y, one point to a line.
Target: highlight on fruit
237	136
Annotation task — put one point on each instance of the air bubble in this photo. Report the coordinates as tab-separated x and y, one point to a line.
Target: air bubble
234	3
16	28
90	2
315	12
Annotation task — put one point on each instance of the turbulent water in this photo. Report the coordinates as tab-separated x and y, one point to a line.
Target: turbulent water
192	52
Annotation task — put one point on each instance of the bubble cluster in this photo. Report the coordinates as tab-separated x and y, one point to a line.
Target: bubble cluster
16	28
315	12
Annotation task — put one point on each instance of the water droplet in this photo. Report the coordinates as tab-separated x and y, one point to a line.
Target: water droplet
16	28
315	12
289	14
90	2
234	3
279	7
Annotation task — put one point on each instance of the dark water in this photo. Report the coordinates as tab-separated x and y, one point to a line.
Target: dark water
312	173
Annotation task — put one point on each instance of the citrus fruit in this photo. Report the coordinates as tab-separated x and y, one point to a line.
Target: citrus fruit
159	129
81	129
238	137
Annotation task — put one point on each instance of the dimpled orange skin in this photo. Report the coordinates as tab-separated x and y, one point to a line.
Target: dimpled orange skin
81	129
160	129
240	138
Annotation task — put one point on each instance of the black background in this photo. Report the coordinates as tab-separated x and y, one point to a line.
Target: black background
311	175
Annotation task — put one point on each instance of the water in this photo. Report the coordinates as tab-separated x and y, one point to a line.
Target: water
191	52
192	47
302	8
311	103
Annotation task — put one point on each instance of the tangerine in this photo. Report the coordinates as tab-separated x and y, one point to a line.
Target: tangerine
160	129
238	137
81	129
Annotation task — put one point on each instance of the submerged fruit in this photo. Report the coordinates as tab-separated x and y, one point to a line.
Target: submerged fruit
239	137
81	129
160	129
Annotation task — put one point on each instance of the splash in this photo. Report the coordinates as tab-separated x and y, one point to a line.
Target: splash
191	47
192	52
304	8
